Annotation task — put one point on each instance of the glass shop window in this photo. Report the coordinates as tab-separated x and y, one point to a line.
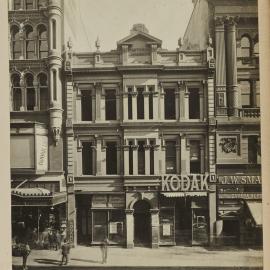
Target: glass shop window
87	158
194	104
141	157
140	104
100	225
111	158
170	157
169	101
195	159
86	105
110	104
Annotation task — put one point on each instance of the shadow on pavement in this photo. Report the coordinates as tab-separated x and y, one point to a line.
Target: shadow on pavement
48	261
82	260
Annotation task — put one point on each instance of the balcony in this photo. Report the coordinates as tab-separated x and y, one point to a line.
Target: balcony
249	112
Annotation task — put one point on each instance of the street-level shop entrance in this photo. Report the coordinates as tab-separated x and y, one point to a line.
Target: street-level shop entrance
142	223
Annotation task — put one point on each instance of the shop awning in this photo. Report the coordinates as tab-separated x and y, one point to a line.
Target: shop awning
185	194
36	197
255	209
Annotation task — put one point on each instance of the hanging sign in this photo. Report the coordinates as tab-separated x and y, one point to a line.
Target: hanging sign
194	182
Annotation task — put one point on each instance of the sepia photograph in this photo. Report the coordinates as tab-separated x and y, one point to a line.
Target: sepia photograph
134	134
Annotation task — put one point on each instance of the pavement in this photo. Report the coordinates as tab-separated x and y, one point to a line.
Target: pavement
177	257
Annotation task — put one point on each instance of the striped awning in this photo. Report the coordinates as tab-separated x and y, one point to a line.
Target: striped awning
185	194
32	192
255	209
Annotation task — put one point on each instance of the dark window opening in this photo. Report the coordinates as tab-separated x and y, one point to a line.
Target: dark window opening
169	104
54	85
30	99
15	43
29	5
252	149
151	103
195	157
17	92
129	103
141	157
87	158
152	156
43	42
170	157
111	158
43	86
110	104
194	104
86	106
130	156
17	4
54	34
140	104
30	43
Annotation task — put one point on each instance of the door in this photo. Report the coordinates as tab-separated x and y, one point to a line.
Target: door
142	223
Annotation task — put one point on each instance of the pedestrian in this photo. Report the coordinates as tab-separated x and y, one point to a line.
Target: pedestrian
65	252
57	239
25	253
104	250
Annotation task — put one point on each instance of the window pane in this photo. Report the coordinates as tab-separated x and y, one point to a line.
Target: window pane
256	49
194	104
100	219
17	4
141	158
44	100
29	4
195	158
17	99
86	105
252	149
245	42
170	156
140	104
110	104
258	93
30	99
169	104
87	158
111	158
129	103
245	93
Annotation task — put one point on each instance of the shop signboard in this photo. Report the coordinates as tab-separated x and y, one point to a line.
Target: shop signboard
99	201
184	183
166	229
239	179
42	152
245	196
116	201
113	228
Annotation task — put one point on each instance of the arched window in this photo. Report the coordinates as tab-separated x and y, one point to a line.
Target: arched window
43	88
15	42
30	42
42	41
30	92
29	4
42	4
256	49
16	92
245	47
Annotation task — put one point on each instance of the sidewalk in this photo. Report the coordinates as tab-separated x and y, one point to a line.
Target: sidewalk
140	256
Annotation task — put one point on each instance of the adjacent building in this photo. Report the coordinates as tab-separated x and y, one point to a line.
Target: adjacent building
37	173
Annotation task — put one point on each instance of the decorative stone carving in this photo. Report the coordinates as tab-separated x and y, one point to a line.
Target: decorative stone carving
228	145
56	121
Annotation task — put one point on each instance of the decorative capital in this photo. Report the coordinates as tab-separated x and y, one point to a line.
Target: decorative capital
219	21
231	21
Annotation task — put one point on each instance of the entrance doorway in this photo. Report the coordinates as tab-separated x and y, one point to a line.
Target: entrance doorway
142	223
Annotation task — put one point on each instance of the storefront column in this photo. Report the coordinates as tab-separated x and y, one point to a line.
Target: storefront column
212	214
155	227
134	104
161	102
71	216
147	159
231	63
129	228
146	105
135	159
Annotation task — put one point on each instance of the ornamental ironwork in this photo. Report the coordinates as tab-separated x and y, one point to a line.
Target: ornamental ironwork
228	145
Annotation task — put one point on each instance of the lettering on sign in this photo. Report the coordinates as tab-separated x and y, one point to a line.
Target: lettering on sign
139	51
246	196
239	179
194	182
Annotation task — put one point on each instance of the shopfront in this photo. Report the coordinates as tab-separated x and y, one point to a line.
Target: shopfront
100	216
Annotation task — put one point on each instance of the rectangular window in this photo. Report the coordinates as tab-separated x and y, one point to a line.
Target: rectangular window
86	105
169	104
140	104
246	99
170	157
129	103
111	158
130	155
195	158
17	4
252	149
16	49
54	34
194	104
29	4
30	49
54	85
258	94
87	158
151	103
141	157
31	99
152	156
110	104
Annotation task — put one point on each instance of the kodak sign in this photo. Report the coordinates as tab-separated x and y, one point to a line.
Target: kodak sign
193	182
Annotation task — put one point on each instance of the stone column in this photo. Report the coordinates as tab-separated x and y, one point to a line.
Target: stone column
118	147
79	157
155	227
134	104
37	96
103	157
201	94
135	159
129	228
98	102
177	103
202	157
184	155
78	106
161	102
162	157
146	105
98	155
156	157
153	54
125	106
147	159
93	106
220	59
126	159
155	105
102	104
181	104
186	103
231	63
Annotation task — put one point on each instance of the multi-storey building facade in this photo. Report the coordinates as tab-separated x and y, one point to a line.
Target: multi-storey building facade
234	28
139	153
37	177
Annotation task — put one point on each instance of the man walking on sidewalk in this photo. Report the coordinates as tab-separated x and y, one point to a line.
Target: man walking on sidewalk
65	252
104	249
